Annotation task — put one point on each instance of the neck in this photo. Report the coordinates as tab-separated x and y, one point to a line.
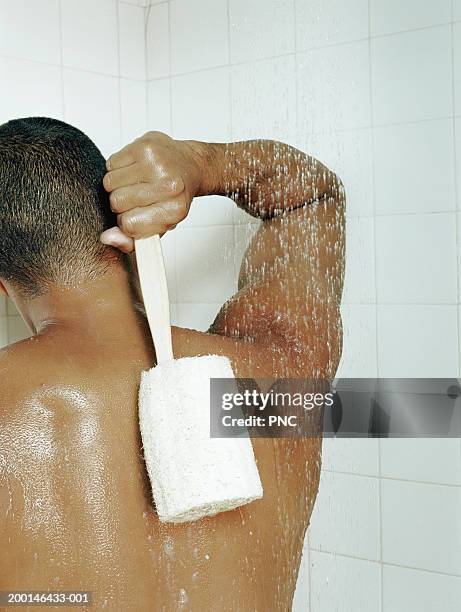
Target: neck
94	306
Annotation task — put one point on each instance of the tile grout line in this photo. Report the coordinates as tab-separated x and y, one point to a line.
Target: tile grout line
170	93
373	180
455	174
457	188
231	117
265	58
428	483
308	546
61	49
119	82
386	563
229	57
325	132
301	51
29	60
146	16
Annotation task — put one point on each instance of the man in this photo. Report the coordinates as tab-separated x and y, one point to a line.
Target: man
76	511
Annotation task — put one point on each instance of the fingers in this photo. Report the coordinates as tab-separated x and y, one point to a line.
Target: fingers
135	196
124	157
116	238
137	150
141	173
123	177
153	219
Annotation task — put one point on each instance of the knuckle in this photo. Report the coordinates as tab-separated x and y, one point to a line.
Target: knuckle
181	209
176	184
106	181
153	135
147	193
175	215
146	151
150	144
140	148
116	202
128	225
146	147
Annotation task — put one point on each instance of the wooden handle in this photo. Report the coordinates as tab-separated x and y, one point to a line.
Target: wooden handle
152	276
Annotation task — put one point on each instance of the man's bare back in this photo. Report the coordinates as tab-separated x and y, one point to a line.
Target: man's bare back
75	505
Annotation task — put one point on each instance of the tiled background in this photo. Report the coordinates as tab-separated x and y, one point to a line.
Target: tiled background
373	88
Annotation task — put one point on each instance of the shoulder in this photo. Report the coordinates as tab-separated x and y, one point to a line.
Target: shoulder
26	369
16	367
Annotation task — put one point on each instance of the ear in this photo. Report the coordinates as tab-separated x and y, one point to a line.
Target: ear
3	291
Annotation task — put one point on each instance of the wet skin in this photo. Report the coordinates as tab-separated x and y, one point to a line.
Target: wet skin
75	504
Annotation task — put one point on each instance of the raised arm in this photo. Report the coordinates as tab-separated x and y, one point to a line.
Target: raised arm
292	273
286	311
265	177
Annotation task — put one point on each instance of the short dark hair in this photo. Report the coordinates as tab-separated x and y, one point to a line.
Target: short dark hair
52	205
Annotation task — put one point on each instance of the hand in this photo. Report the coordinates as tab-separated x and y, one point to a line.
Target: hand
151	183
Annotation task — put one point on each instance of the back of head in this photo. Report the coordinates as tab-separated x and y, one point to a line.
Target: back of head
53	206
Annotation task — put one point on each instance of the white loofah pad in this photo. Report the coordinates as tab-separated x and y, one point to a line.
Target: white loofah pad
192	475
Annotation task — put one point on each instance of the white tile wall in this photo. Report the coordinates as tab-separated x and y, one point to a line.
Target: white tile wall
200	105
159	106
412	76
198	316
458	220
421	526
359	282
407	589
24	25
389	16
259	108
17	329
430	460
199	34
415	169
416	259
92	103
334	88
89	35
169	255
210	210
132	42
359	357
326	22
353	456
344	584
302	594
133	109
11	308
3	331
25	77
458	160
158	49
205	258
417	341
346	516
459	340
457	65
261	28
